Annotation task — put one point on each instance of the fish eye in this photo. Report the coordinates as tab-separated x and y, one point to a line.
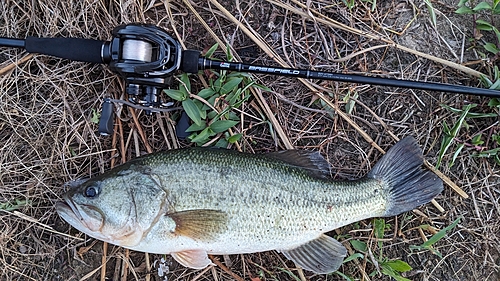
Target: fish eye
91	191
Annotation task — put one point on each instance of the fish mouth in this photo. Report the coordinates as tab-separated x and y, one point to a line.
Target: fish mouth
78	217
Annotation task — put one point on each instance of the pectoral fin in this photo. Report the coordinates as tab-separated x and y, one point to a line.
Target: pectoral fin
322	255
196	259
202	225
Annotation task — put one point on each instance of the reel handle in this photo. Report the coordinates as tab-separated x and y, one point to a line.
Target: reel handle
107	120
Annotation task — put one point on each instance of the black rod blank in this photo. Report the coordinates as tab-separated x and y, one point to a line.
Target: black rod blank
350	78
192	62
11	42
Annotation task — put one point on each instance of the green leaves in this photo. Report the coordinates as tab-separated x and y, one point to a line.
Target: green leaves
427	245
486	9
230	85
432	13
399	266
95	116
12	206
495	84
395	268
211	109
482	6
222	125
192	111
380	226
391	268
451	134
464	10
359	246
177	95
492	48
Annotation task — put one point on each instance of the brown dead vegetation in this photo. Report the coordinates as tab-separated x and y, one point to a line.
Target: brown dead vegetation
47	137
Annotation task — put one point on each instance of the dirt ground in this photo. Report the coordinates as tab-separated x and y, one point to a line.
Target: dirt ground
47	136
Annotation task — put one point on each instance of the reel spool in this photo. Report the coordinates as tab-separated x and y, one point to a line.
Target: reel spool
137	50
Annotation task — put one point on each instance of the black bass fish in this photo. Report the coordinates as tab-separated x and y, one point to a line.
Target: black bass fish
198	201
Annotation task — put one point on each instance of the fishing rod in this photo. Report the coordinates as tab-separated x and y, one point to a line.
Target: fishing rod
146	56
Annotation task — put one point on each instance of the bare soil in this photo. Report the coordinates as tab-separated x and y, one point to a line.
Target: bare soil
47	136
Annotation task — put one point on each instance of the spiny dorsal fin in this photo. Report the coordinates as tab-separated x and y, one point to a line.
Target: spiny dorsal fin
322	255
203	225
196	259
311	161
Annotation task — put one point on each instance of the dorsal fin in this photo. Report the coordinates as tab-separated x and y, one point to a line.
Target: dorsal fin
311	161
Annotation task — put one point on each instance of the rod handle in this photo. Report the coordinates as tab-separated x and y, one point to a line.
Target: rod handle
77	49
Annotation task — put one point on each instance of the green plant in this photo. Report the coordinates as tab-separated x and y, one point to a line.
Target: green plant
488	10
427	245
11	206
391	268
451	135
349	3
95	116
432	13
350	102
211	110
373	2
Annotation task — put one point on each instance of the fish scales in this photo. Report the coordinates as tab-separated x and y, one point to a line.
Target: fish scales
265	200
194	202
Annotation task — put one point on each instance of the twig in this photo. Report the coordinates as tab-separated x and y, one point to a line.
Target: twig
11	66
335	24
148	267
124	272
223	267
44	226
104	260
140	131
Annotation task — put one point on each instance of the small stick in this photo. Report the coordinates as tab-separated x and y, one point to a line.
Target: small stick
104	260
124	272
201	273
223	267
122	141
117	270
11	66
140	131
148	267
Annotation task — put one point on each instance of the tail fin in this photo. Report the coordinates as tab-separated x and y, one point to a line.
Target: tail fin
409	185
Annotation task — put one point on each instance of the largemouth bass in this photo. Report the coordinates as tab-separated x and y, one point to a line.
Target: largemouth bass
198	201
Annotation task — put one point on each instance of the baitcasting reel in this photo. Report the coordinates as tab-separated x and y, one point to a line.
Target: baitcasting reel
146	56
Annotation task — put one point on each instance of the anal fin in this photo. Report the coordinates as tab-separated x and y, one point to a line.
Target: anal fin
321	255
196	259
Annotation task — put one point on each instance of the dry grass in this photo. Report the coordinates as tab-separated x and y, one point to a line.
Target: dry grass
47	138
